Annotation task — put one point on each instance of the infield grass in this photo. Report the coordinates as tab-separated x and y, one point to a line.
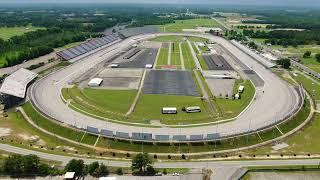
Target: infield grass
175	54
231	108
163	57
187	56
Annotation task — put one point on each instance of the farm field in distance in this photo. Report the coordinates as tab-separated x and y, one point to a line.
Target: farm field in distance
8	32
179	25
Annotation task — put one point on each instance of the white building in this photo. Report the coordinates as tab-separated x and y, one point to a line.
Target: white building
95	82
241	89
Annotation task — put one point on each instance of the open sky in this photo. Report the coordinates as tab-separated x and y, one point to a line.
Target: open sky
227	2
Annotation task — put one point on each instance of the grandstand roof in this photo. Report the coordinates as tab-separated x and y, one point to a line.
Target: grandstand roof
16	83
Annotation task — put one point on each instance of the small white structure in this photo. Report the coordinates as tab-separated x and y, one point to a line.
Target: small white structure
149	66
200	44
114	65
95	82
169	110
241	89
193	109
237	96
69	175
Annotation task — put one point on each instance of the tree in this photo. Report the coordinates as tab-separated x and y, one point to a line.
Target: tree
44	169
31	164
141	162
307	54
93	167
285	63
119	171
101	171
76	166
317	56
13	165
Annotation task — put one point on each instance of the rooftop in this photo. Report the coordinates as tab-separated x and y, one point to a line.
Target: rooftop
16	83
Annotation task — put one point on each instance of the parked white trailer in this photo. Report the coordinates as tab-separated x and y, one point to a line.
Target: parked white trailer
169	110
193	109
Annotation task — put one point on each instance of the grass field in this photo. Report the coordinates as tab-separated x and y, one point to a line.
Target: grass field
175	54
312	87
105	103
312	63
150	107
174	38
163	57
298	52
187	56
8	32
230	107
179	25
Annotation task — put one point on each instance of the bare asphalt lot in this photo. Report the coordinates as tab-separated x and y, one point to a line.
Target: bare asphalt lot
170	82
45	94
216	62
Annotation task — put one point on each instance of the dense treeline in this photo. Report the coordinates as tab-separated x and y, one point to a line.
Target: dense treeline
65	25
285	38
38	43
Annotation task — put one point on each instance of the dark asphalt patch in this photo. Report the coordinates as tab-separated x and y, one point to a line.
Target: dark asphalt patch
147	56
253	76
170	82
216	62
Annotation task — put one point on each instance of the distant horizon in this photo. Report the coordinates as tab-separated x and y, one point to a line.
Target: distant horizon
270	3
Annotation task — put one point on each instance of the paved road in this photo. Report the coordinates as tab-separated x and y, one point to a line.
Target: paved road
278	100
187	164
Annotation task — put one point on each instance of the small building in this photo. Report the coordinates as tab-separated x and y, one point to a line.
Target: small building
237	96
95	82
69	175
241	89
149	66
169	110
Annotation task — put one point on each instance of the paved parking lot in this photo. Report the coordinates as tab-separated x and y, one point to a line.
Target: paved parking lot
221	87
216	62
147	56
119	78
170	82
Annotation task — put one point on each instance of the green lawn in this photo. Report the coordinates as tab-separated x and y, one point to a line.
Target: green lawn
150	107
8	32
179	25
187	56
112	104
312	63
175	38
230	107
175	54
312	87
202	62
163	57
51	126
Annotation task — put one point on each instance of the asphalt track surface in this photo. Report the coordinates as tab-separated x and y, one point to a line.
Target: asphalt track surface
276	102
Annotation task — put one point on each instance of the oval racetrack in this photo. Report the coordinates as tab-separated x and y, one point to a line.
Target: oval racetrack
277	102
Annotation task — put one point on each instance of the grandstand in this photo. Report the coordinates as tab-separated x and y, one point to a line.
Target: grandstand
88	46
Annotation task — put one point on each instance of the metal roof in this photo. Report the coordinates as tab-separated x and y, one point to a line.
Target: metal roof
16	83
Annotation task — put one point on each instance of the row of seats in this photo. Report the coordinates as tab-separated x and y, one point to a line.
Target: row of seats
149	137
90	45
